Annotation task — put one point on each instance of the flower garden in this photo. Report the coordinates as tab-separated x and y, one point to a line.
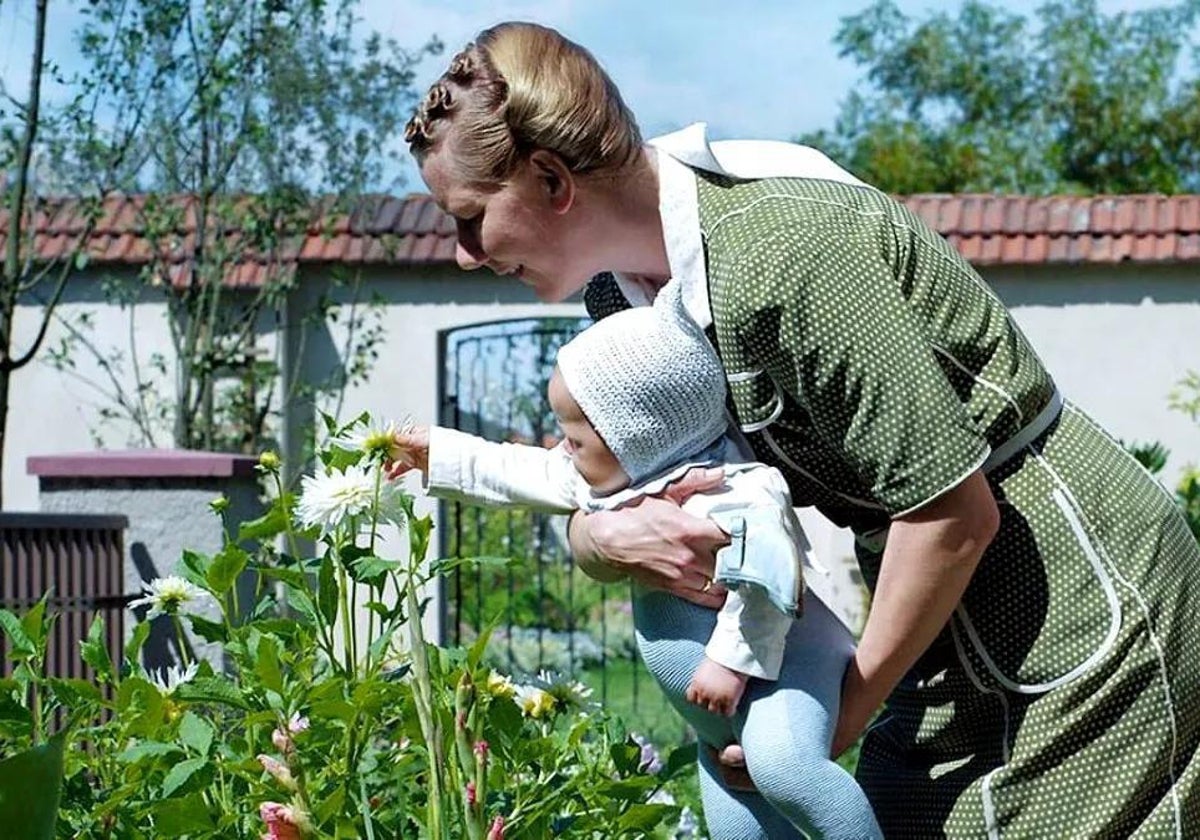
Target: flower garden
319	723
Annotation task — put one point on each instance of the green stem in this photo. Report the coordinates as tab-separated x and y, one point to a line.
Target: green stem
347	640
181	640
365	806
35	711
376	594
423	699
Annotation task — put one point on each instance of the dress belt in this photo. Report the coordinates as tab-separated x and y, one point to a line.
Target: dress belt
874	540
1027	434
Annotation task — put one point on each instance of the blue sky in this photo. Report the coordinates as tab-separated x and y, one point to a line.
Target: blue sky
755	68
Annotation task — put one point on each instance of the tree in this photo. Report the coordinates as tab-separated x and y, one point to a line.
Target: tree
22	276
984	102
266	119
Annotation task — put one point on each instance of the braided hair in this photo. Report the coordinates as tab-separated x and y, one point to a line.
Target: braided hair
520	87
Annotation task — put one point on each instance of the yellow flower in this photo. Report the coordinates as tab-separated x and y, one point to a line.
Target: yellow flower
534	702
500	685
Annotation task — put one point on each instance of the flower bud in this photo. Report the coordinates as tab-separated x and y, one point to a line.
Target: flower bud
278	770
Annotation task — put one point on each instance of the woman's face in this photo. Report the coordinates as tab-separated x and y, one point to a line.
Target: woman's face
521	228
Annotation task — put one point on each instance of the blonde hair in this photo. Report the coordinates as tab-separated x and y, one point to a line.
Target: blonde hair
521	87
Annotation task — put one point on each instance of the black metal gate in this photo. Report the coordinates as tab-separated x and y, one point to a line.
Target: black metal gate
544	613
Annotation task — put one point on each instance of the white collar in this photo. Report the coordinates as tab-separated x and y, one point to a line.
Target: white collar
723	453
679	204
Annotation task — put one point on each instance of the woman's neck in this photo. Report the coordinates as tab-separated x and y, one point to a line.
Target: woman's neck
628	229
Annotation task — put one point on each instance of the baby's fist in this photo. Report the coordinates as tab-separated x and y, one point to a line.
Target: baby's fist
409	451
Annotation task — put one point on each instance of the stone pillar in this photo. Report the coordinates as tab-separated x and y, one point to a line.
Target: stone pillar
165	494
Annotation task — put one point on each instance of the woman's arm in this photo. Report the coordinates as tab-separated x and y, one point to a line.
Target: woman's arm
930	557
654	542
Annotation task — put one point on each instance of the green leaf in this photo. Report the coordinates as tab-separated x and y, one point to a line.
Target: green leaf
444	565
680	759
373	570
146	749
633	789
22	645
75	693
224	570
181	773
212	689
196	733
210	631
12	711
645	817
477	650
34	622
94	650
327	591
30	787
141	706
184	815
270	524
626	756
133	647
292	577
266	664
194	567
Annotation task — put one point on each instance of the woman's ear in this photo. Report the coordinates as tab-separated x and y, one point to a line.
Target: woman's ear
555	178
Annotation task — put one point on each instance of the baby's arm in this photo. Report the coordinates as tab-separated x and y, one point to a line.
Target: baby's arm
751	629
748	641
463	467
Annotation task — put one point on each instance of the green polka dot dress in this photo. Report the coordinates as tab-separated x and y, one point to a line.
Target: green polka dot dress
874	368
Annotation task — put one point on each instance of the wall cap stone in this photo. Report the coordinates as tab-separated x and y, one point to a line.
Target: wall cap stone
141	463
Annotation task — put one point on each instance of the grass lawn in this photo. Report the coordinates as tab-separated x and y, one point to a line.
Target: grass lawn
628	691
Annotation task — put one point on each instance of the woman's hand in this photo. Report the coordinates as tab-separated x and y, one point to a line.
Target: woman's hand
655	543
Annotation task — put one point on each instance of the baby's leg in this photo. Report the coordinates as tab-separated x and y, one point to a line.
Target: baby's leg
671	637
732	815
786	729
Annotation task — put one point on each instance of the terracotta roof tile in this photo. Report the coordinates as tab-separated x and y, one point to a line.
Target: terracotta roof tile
1036	248
986	229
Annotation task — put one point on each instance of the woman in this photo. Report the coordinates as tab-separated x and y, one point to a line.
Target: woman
1033	588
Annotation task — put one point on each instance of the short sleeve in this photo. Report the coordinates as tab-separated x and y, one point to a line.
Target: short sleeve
829	323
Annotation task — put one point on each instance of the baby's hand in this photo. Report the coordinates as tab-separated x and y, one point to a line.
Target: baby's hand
410	451
716	688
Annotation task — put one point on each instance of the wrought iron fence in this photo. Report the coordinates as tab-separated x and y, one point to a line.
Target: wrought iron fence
543	613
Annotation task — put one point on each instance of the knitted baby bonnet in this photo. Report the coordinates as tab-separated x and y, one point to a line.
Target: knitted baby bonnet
650	384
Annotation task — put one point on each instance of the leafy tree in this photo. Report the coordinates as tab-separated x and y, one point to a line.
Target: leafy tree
1081	102
23	123
263	120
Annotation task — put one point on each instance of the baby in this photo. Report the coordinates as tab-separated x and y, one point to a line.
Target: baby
640	400
640	397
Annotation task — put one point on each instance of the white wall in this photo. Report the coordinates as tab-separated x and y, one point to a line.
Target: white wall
52	412
1116	338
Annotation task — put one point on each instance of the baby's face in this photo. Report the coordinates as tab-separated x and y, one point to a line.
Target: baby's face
590	454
